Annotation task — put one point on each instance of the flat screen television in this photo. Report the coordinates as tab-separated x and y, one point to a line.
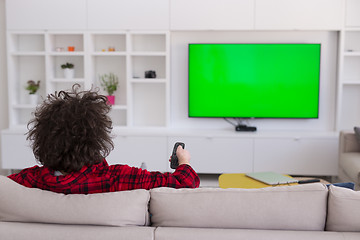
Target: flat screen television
254	80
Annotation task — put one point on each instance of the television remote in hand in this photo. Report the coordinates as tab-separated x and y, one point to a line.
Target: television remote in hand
174	163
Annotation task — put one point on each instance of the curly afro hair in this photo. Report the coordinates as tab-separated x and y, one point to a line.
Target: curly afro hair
71	129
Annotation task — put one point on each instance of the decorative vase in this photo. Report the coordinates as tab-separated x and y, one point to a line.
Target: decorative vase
33	98
111	99
69	73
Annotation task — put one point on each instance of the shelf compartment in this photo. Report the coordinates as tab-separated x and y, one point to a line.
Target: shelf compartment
26	68
140	64
350	101
23	115
111	64
352	41
351	68
27	43
148	42
105	42
55	66
64	40
118	116
149	104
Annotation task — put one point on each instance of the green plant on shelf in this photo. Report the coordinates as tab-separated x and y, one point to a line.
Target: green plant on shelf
109	82
32	86
67	65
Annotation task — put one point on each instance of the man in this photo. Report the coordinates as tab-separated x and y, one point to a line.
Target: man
70	137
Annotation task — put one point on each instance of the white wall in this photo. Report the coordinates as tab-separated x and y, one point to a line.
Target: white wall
3	82
179	77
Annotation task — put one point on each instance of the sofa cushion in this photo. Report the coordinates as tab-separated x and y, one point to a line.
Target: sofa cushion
22	204
44	231
167	233
300	207
343	210
349	142
350	163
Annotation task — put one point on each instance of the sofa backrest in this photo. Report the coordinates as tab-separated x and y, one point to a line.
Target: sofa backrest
343	210
22	204
300	207
348	142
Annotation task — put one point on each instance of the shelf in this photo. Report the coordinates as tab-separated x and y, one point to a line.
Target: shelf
148	54
28	53
119	107
351	82
107	53
24	106
75	53
67	80
352	29
148	80
352	54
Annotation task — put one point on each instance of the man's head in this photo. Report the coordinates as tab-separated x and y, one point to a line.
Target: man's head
71	129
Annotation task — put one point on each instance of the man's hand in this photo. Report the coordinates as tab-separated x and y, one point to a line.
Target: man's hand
183	155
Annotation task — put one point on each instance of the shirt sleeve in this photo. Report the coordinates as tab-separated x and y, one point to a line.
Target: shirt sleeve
136	178
24	177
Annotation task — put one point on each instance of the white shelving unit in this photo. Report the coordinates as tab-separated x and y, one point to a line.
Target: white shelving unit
348	113
140	101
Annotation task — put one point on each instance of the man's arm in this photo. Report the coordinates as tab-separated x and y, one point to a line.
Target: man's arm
136	178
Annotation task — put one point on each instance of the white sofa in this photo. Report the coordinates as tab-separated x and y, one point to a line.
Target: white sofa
308	211
349	158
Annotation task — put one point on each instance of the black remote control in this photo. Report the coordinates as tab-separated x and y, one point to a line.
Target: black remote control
174	159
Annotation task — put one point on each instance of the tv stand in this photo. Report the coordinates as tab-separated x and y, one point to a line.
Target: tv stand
244	128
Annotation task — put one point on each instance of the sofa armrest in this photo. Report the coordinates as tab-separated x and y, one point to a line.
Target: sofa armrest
348	142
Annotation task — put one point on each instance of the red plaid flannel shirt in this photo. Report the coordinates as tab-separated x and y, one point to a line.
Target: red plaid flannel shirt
104	178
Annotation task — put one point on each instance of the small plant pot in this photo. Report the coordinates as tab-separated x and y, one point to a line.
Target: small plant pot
111	100
69	73
33	99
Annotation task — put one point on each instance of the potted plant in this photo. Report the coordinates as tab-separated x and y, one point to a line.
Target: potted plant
33	87
109	82
68	70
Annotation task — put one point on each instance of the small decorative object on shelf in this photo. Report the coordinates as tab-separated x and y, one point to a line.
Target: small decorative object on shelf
111	49
109	82
59	49
68	70
71	48
150	74
33	87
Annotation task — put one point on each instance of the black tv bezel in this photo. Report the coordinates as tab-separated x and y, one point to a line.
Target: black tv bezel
248	117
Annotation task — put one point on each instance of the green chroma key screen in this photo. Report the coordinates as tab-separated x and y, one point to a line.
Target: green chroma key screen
254	80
